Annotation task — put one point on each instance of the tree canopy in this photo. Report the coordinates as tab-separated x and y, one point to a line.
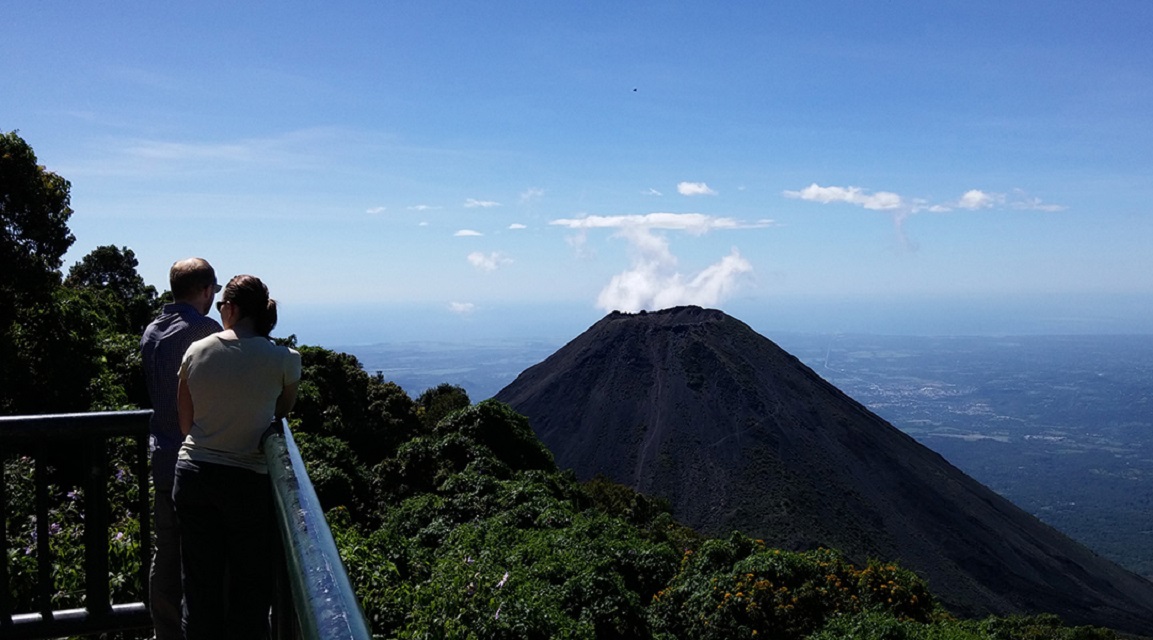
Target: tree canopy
64	345
112	272
34	213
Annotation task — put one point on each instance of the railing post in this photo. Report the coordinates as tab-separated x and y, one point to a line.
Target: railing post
143	507
96	591
44	583
5	586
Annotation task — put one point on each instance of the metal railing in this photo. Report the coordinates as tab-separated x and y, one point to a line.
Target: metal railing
314	598
323	601
65	440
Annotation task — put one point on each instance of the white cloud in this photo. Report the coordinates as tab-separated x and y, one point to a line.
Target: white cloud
244	151
653	282
1035	204
376	210
488	262
1024	202
465	233
422	224
695	223
901	208
977	199
580	245
517	225
879	201
304	150
971	200
652	192
531	194
694	189
422	207
461	308
473	203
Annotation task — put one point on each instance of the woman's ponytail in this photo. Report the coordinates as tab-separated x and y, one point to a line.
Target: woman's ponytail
250	296
265	322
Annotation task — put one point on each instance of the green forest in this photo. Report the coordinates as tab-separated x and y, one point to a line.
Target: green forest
452	518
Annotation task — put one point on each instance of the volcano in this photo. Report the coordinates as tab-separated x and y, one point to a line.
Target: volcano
692	405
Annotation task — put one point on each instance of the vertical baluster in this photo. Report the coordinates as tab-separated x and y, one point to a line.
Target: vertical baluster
44	583
144	512
5	588
96	530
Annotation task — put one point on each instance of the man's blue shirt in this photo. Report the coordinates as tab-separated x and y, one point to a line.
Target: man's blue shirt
162	348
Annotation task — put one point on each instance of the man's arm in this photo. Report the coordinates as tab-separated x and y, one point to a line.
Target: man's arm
184	407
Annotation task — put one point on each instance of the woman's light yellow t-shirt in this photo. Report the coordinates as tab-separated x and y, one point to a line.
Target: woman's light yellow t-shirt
234	384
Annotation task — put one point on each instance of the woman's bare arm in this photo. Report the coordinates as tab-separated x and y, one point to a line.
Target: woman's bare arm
286	400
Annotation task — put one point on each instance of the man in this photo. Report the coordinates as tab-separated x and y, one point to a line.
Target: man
193	285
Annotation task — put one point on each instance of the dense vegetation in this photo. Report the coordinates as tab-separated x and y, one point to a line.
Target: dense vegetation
452	518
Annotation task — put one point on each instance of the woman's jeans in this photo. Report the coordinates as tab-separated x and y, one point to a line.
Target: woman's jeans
227	545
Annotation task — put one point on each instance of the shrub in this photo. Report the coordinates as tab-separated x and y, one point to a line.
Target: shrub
738	588
432	405
337	475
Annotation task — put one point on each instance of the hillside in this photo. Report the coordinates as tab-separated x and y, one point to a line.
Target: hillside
692	405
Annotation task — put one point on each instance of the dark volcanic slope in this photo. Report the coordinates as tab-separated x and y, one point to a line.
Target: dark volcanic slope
695	406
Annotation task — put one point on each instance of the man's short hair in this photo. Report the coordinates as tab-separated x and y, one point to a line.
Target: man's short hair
188	276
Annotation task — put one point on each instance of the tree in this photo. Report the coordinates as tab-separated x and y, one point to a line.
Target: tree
439	401
112	270
62	348
34	212
338	398
56	354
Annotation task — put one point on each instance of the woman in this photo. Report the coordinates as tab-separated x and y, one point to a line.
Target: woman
233	384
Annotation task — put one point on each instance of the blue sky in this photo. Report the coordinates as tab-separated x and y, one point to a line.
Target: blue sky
436	170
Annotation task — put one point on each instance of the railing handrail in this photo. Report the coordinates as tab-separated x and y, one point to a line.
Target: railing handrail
50	425
325	603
